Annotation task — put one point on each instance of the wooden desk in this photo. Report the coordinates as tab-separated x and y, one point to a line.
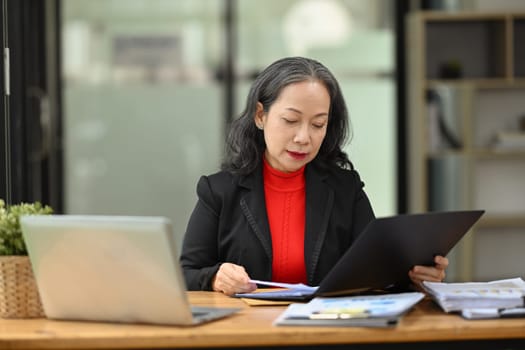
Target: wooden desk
252	327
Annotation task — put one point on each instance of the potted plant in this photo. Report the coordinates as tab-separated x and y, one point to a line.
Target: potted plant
19	296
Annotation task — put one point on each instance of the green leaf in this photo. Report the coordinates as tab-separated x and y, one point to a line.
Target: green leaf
11	239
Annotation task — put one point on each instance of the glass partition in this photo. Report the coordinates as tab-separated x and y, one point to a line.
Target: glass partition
142	107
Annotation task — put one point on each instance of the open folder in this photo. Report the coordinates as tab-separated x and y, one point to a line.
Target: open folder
383	254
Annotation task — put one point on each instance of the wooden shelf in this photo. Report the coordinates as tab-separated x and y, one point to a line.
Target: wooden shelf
446	16
497	154
478	83
480	153
502	221
466	85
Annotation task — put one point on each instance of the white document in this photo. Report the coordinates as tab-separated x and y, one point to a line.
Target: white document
295	286
499	294
479	314
291	291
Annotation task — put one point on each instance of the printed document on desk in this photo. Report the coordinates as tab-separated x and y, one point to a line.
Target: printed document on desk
291	291
499	294
357	311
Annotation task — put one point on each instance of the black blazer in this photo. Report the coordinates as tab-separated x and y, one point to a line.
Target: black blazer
229	224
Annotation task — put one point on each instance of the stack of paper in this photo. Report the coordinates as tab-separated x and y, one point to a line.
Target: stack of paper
483	313
362	311
478	298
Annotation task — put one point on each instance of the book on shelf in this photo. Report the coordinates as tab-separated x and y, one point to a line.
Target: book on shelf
499	298
383	310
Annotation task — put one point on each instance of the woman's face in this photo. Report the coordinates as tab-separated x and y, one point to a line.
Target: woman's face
295	125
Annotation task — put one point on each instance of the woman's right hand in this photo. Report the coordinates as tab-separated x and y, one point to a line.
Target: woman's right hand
231	279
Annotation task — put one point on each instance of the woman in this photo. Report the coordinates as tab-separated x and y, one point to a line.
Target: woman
287	203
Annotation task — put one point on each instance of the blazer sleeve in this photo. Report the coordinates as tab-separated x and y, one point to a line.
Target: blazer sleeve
199	255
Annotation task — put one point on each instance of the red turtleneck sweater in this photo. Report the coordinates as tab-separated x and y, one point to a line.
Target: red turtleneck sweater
285	205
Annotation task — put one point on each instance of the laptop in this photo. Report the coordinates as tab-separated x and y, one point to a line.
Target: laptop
111	269
383	254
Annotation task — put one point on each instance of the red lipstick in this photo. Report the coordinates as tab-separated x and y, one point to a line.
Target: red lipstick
297	155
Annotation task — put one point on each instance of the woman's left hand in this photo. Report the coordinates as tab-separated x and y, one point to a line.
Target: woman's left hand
434	273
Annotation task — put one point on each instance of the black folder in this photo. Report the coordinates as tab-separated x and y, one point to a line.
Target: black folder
383	254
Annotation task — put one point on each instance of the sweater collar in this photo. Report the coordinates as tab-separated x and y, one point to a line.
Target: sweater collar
279	180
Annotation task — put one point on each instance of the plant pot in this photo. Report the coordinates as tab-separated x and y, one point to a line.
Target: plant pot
19	296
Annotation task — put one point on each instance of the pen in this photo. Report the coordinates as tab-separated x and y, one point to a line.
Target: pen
335	314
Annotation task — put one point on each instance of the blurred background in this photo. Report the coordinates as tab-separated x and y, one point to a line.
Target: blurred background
119	106
147	99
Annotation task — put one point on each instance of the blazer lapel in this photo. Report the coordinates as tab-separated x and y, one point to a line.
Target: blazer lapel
253	207
319	202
